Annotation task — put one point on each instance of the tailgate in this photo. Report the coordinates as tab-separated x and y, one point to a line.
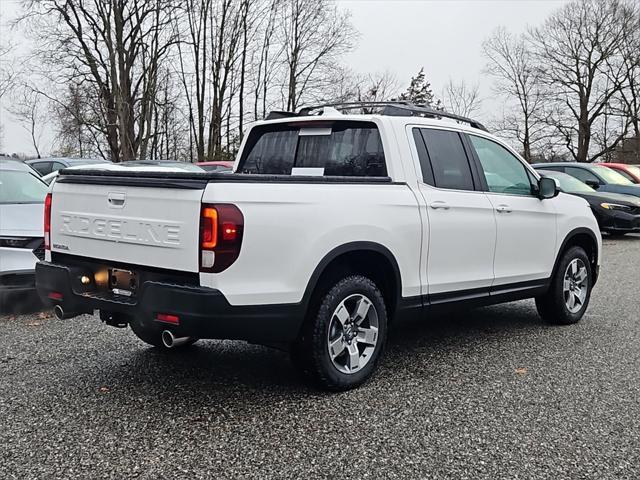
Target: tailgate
140	225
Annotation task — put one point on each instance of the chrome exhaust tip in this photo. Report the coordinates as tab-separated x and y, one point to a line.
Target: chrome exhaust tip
61	314
169	340
58	312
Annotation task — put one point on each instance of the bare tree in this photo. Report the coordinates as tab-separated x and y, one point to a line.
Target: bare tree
377	87
117	46
510	62
29	110
630	92
314	33
267	63
70	117
578	57
7	70
461	98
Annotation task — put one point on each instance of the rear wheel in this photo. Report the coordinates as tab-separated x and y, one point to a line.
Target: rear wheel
152	335
570	290
343	341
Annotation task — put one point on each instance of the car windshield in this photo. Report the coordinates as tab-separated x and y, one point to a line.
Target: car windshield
611	176
568	183
21	187
634	169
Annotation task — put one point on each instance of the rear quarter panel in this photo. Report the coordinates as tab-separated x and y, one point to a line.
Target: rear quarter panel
289	228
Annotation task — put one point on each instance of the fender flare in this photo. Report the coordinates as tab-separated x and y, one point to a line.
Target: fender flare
346	248
572	234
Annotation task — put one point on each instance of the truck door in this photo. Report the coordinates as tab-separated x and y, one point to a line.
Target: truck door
461	224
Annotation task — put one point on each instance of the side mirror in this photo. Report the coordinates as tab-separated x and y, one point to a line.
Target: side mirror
593	184
547	188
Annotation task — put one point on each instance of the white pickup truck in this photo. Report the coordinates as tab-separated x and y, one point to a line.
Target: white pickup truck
333	225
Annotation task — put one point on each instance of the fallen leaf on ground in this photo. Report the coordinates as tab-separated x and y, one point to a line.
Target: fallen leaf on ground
104	389
44	315
33	324
521	371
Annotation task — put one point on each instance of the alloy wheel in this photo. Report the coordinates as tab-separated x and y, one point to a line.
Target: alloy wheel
575	285
353	333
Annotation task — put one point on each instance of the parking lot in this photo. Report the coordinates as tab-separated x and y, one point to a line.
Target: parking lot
490	393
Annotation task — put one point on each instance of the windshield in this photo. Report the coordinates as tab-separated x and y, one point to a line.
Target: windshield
568	183
611	176
21	187
634	169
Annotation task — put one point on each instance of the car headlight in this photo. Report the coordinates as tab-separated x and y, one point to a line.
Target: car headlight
615	206
15	242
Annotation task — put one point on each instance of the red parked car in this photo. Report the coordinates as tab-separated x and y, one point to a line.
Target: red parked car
632	172
219	166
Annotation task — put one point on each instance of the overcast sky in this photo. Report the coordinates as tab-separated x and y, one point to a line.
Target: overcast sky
444	36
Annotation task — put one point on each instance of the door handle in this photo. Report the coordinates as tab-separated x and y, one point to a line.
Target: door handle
116	199
503	209
439	204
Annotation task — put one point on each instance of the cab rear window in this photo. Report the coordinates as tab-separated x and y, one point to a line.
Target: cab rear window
332	149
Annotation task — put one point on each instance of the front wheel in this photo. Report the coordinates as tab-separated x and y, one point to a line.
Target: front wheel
570	290
343	341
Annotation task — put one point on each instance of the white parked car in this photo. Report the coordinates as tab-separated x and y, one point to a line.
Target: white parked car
22	196
333	227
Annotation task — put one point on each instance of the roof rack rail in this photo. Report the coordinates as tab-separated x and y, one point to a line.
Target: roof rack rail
391	108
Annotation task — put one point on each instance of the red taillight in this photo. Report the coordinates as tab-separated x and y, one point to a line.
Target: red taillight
209	228
221	229
167	318
47	222
55	295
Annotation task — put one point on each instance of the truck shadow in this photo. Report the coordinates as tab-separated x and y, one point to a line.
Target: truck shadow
19	304
239	375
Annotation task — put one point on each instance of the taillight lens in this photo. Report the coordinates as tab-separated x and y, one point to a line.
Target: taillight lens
47	222
221	229
209	228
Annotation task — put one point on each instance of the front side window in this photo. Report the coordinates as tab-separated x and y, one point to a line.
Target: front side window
626	175
611	176
582	174
339	148
503	171
444	157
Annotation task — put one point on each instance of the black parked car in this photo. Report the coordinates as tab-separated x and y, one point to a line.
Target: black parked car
616	213
596	176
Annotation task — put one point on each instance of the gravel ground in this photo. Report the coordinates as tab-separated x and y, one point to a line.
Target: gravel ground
490	393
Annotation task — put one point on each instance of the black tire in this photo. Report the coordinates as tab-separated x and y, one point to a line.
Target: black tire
311	355
552	306
152	335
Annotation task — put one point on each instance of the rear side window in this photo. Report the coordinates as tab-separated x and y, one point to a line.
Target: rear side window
57	166
340	148
444	160
42	167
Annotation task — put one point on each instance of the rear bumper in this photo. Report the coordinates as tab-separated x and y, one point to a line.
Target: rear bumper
202	312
